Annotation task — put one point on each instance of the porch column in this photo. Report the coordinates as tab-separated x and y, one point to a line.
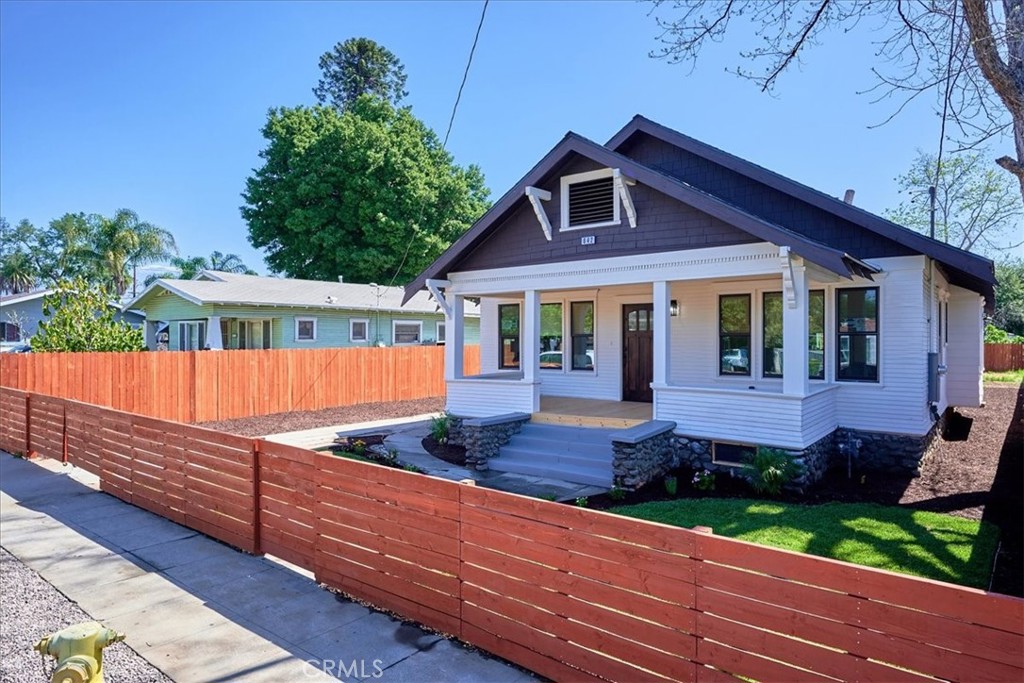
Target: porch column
150	331
529	342
455	335
662	324
795	332
213	338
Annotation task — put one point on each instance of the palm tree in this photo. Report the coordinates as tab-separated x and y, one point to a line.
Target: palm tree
17	273
229	263
124	241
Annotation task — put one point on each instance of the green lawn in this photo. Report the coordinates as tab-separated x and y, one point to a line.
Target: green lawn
1010	376
926	544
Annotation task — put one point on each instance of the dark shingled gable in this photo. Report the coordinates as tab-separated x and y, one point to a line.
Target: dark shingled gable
690	195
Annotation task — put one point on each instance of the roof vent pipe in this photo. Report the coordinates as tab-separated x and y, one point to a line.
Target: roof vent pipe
848	198
341	278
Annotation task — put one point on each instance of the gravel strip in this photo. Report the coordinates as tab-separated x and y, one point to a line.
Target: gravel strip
278	423
32	609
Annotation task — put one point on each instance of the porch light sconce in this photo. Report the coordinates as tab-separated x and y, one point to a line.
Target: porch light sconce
673	308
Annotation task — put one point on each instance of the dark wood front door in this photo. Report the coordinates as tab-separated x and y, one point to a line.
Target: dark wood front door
637	352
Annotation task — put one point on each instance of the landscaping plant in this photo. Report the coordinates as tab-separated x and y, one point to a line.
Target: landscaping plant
582	501
671	485
704	480
439	428
769	470
617	493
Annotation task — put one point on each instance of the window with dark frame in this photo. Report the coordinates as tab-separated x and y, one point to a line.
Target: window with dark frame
582	325
508	336
551	336
857	334
734	334
771	334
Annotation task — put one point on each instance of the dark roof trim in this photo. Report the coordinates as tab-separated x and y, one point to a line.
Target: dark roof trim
973	265
826	257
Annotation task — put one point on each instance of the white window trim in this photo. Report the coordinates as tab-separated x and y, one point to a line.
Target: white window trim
187	324
302	320
419	337
568	180
352	323
441	331
567	300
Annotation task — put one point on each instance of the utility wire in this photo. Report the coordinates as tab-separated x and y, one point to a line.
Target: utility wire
947	93
465	74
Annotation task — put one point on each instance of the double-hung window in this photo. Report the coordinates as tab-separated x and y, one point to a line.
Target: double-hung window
734	334
192	335
305	329
358	329
407	332
551	336
771	334
582	314
508	336
857	334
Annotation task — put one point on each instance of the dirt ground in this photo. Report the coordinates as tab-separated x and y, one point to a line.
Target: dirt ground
293	422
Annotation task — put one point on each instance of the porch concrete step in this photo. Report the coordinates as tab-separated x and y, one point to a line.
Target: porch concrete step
567	434
579	455
579	475
557	458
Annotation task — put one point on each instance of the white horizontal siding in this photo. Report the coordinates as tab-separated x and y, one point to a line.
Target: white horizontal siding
966	350
728	415
818	415
485	398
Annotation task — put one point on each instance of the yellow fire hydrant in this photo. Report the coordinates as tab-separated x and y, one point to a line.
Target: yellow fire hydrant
79	652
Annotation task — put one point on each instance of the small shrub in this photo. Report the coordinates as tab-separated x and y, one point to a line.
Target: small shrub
391	456
582	501
358	447
413	468
439	428
550	496
704	480
671	486
617	493
769	470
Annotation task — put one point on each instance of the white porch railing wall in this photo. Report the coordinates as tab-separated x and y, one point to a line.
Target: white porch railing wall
765	418
483	396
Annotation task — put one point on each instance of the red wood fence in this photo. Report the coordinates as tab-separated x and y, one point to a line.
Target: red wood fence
202	386
1003	357
571	593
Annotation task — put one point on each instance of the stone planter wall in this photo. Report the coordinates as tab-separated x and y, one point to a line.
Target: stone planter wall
879	452
642	454
483	437
456	437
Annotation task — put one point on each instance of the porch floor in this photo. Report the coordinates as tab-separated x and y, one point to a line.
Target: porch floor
588	412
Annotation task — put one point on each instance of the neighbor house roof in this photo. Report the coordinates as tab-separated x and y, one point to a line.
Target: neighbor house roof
216	287
23	296
965	269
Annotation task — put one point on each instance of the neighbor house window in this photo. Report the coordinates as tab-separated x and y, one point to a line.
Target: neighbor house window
508	336
441	333
588	200
254	334
358	330
772	334
192	336
582	314
551	336
734	334
407	331
305	329
857	334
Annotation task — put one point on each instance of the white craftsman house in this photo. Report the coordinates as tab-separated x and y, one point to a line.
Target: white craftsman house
692	300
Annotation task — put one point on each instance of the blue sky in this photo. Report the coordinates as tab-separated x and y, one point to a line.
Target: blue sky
158	106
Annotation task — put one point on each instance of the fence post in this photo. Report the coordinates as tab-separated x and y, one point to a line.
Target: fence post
29	453
256	532
64	432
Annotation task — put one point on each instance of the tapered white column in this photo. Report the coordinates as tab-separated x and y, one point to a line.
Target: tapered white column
213	338
455	336
662	324
529	342
795	333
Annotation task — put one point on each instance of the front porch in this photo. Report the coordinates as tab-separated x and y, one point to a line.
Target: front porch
589	412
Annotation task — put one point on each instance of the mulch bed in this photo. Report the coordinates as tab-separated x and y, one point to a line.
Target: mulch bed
277	423
975	472
456	455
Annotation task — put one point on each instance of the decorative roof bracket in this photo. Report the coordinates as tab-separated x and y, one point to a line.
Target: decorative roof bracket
435	287
788	290
622	184
536	195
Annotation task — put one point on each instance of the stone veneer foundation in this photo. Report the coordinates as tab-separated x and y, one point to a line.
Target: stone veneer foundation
484	436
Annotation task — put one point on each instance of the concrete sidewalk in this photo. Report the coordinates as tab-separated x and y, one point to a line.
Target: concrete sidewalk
199	610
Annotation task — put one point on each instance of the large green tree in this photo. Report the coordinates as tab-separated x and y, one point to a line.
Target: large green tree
368	193
81	318
62	250
977	207
1009	309
359	66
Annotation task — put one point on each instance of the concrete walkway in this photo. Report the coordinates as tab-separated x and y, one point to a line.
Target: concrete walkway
405	436
199	610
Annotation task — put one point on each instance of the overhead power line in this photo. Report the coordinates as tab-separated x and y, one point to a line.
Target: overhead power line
465	74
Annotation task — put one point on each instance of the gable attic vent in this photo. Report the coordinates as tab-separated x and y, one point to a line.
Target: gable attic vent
592	201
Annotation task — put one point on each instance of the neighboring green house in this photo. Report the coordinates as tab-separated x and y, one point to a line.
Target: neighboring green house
220	310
